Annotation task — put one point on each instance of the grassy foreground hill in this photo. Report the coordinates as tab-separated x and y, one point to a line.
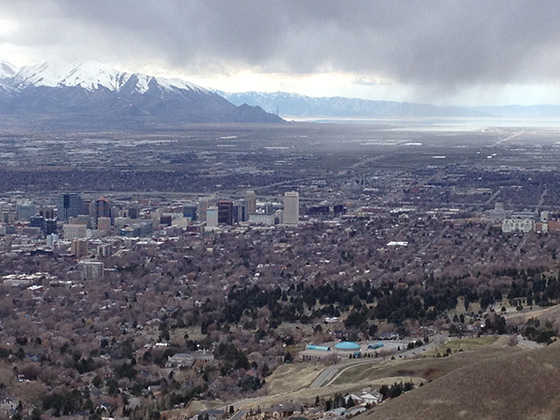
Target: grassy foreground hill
523	385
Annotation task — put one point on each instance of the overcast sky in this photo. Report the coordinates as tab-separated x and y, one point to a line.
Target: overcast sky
441	52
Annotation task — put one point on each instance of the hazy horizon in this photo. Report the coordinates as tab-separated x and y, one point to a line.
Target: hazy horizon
441	53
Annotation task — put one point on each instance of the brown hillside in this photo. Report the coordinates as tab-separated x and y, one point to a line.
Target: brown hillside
520	386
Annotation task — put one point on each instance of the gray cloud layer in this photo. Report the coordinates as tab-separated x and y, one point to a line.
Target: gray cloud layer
447	43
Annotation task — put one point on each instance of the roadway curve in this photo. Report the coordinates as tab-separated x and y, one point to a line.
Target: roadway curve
330	374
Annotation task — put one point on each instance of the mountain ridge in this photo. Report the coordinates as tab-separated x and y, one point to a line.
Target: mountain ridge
296	105
93	95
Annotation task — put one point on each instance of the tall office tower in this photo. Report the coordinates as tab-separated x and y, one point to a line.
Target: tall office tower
133	212
225	212
190	211
240	211
291	208
251	202
86	206
47	212
70	206
25	209
212	216
50	226
102	208
38	222
92	208
202	208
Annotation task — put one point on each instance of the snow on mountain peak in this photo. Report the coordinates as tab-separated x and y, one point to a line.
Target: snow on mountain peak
90	75
181	84
7	70
44	74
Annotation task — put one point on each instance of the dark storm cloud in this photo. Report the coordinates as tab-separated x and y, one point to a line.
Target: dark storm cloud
446	43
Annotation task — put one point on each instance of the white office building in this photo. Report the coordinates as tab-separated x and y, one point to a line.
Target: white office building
212	216
517	225
291	208
92	270
74	231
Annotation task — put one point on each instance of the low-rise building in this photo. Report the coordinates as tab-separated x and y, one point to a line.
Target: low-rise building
92	270
517	225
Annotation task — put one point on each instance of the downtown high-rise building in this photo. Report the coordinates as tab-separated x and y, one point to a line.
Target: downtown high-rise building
102	208
212	216
203	205
240	211
70	206
190	211
251	202
291	208
25	209
225	212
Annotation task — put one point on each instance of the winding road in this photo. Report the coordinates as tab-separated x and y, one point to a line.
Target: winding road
330	374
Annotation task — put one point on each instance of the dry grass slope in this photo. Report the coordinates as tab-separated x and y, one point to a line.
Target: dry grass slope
515	386
551	314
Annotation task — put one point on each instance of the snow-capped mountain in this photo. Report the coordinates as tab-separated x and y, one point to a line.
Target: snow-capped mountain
93	94
91	76
7	70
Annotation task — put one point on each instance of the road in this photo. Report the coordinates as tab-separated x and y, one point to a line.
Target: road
492	198
330	374
508	138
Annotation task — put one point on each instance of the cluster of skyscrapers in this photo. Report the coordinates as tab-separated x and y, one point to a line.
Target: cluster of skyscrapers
228	212
78	218
72	205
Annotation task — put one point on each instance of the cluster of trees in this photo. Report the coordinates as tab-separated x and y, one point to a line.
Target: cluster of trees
533	330
66	403
366	302
396	389
363	300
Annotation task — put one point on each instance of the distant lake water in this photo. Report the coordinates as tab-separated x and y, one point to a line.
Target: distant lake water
438	124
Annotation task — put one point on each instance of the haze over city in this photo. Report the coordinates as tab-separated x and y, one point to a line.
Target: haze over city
440	52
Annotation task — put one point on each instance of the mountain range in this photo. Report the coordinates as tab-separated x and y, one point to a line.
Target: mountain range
294	105
91	95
